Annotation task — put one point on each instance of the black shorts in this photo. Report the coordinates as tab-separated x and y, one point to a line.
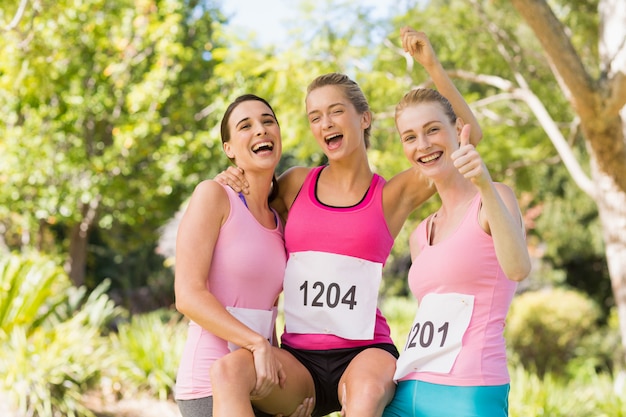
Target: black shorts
326	367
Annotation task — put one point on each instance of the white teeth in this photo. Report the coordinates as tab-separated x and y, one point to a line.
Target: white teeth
332	137
262	145
430	158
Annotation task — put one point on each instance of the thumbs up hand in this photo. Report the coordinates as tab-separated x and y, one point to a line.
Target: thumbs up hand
468	161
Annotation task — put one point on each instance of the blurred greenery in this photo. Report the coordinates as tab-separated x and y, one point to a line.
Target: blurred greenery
110	114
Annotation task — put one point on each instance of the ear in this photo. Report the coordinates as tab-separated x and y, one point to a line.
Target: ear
366	120
227	150
459	126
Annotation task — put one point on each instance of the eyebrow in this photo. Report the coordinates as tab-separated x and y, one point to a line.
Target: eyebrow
425	125
245	119
332	106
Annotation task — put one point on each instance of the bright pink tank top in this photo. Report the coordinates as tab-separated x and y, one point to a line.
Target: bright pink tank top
466	263
247	271
360	231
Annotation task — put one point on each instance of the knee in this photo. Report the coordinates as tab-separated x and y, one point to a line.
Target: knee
232	367
375	389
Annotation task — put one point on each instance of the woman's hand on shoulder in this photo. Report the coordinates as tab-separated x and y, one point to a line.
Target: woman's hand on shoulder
235	178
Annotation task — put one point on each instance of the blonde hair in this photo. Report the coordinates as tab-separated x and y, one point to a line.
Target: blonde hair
425	95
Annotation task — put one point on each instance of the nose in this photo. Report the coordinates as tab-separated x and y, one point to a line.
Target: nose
327	121
260	129
423	144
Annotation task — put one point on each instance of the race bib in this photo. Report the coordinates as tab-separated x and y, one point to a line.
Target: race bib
327	293
261	321
436	336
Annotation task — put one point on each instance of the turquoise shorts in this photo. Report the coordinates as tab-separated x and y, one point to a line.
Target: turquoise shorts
423	399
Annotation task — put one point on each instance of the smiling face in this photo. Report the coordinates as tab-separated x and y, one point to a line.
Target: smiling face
252	138
334	121
428	136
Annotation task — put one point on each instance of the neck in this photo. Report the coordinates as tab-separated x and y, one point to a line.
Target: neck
260	185
348	172
455	192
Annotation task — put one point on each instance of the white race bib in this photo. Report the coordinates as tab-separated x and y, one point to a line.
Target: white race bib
261	321
327	293
436	336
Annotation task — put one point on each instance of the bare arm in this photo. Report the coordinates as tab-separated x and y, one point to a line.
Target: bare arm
195	243
418	45
408	190
499	214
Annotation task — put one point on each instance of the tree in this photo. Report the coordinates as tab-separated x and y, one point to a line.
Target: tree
105	120
599	102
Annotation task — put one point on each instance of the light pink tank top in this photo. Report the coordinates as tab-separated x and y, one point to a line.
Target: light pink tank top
247	271
466	263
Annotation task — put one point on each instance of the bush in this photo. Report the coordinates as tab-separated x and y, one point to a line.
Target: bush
51	348
149	348
544	328
550	396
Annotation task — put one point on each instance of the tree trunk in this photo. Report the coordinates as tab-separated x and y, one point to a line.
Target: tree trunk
77	261
612	209
79	238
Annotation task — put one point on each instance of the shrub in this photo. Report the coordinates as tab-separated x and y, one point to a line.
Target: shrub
544	328
149	348
51	349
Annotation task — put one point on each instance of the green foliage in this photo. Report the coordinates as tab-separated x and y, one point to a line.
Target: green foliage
399	312
580	396
30	291
544	328
103	124
51	347
148	349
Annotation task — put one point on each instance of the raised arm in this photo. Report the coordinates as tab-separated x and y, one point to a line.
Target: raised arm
418	45
408	190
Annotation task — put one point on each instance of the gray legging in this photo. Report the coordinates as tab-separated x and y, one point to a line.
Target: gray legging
203	407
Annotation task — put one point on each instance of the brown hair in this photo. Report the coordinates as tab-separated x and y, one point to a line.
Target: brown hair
225	131
425	95
351	90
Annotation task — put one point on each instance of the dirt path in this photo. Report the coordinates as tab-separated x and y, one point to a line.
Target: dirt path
140	407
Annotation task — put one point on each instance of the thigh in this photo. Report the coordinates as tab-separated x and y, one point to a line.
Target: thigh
298	386
200	407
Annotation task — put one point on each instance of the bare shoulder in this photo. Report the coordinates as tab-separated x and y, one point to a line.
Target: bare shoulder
209	197
289	184
293	177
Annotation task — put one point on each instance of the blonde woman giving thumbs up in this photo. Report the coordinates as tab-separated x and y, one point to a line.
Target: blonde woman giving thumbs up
467	258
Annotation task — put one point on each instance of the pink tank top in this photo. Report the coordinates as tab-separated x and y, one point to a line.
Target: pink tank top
466	263
247	271
360	231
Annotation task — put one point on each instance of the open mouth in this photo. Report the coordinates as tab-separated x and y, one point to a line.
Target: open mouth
430	158
333	140
263	146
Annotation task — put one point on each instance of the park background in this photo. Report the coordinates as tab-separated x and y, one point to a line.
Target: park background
109	118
